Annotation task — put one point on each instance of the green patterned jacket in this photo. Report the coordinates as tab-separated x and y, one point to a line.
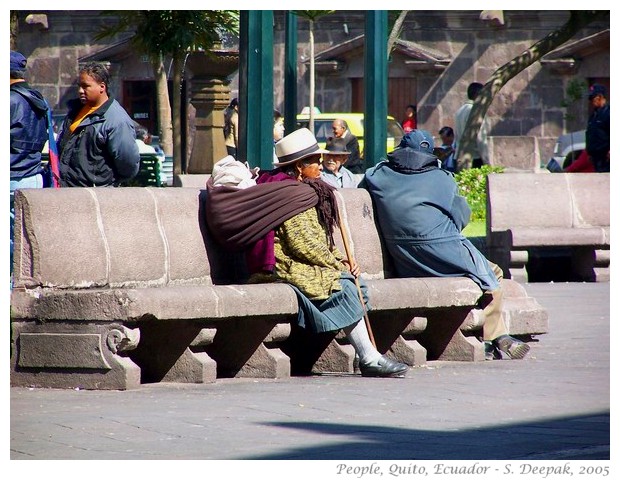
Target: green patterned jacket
304	259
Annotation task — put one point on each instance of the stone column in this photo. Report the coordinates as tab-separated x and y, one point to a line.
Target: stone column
209	94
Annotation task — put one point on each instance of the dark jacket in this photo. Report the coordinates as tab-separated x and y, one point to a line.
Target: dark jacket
421	215
28	130
102	151
597	133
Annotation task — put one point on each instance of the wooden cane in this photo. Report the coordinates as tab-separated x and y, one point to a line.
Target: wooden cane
345	240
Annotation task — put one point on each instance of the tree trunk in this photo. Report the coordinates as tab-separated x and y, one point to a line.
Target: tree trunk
177	78
164	114
576	21
14	28
396	31
312	86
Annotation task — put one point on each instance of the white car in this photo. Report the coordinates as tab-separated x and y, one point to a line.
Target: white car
567	148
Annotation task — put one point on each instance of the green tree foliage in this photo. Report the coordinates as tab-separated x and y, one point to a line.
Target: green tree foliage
171	33
472	184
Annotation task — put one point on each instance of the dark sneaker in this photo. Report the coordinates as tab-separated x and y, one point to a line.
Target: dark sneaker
515	349
491	352
385	367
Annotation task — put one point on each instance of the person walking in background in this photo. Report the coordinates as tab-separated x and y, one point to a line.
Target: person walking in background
97	142
410	122
334	172
421	216
28	134
231	127
597	132
446	151
480	155
341	130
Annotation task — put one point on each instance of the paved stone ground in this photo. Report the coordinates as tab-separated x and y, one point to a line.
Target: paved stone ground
553	405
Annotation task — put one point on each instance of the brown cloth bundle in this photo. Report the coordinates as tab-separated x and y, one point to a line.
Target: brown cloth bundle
237	218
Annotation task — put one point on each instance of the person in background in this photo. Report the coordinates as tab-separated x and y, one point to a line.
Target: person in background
231	127
143	140
445	152
354	162
597	132
28	134
480	155
410	122
334	172
278	131
421	216
97	142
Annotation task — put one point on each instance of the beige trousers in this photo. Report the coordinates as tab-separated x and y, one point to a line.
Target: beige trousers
494	325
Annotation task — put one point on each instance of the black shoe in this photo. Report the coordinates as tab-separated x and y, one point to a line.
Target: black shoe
385	367
491	352
515	349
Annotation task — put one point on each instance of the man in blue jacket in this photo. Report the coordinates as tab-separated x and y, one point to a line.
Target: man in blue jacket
97	142
421	215
28	133
598	131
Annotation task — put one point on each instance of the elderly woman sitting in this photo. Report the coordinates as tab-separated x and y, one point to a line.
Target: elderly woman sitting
298	248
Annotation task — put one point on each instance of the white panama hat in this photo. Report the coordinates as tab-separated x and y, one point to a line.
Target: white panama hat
295	146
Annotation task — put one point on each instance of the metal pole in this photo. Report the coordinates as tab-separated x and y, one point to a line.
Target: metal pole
375	87
290	74
256	88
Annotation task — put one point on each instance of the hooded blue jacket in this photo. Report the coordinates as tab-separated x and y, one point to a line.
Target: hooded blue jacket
28	130
421	215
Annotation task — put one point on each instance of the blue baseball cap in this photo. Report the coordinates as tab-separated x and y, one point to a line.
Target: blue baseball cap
418	140
596	89
18	62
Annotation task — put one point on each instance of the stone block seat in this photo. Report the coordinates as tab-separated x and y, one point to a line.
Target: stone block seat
115	287
559	211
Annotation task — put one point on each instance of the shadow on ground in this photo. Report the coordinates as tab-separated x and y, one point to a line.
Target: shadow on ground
569	438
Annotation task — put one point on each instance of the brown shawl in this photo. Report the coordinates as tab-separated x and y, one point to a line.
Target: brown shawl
237	218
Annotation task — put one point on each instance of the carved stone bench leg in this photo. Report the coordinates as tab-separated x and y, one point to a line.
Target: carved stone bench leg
396	334
250	348
444	339
166	352
317	352
268	361
590	265
73	355
337	357
518	262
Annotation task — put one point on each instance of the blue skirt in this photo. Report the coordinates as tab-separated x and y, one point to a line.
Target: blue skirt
341	309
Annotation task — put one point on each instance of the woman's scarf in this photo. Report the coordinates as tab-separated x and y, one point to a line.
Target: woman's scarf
245	219
237	218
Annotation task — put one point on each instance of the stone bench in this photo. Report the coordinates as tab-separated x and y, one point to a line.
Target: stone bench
560	211
114	287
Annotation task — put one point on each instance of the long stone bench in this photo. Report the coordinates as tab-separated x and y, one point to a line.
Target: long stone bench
114	287
529	212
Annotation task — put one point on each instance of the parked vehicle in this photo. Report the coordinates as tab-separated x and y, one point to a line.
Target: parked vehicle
567	148
355	121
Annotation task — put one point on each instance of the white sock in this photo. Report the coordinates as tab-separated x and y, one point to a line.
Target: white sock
357	334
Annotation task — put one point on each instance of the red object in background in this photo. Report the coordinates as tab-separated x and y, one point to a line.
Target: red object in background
409	124
581	164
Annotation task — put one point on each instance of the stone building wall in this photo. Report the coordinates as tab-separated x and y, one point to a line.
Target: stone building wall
53	42
529	105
